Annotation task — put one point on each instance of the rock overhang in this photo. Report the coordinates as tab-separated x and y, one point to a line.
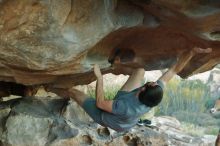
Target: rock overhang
58	41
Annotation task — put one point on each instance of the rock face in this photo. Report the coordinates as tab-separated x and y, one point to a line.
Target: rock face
214	82
57	122
57	41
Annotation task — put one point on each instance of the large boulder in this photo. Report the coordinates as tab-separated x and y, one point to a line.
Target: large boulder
53	121
58	41
57	122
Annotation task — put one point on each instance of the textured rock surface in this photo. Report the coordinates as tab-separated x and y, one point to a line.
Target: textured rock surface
57	122
57	41
214	82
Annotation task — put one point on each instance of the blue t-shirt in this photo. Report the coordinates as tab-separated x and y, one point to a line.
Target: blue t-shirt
126	110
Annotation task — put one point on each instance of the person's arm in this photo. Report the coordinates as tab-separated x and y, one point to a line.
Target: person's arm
134	81
136	75
101	103
181	63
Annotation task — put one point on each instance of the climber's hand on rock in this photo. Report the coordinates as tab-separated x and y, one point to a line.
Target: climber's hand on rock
198	50
97	71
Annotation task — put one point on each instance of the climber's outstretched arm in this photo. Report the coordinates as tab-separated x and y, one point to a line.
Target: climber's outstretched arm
136	75
135	80
181	63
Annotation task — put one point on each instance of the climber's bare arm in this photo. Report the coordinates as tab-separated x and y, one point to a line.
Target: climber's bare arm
135	79
101	103
135	72
181	63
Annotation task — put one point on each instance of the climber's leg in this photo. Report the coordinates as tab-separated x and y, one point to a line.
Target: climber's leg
74	94
78	96
86	102
92	110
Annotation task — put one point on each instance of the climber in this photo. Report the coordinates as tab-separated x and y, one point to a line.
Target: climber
132	100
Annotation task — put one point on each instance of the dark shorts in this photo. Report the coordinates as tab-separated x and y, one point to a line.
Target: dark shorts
89	105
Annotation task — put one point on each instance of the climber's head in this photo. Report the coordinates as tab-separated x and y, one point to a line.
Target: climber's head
151	94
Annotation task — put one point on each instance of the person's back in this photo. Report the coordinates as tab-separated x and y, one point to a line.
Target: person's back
126	111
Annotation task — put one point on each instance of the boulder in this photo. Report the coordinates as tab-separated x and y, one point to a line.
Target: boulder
26	130
176	135
214	82
3	116
58	41
57	122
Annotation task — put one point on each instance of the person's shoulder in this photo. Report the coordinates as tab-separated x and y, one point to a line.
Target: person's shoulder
123	93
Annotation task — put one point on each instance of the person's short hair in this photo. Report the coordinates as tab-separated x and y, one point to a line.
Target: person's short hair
151	96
